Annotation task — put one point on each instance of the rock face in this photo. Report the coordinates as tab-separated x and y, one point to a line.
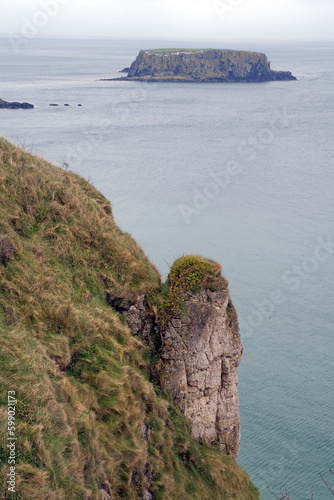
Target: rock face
15	105
201	352
206	65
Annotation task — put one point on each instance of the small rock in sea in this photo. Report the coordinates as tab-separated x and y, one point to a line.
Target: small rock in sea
26	105
53	104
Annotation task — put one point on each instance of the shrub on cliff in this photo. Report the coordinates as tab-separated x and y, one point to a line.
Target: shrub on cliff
187	276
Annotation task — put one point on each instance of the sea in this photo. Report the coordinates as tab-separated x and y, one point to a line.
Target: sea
239	173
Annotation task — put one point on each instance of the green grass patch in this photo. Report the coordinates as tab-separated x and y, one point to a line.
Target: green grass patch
186	278
174	50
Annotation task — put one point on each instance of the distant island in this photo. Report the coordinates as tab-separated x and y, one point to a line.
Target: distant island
15	105
202	65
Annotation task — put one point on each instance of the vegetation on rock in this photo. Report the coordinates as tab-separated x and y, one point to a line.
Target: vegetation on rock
188	274
170	51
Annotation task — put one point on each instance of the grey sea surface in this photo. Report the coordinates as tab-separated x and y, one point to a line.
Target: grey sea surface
240	173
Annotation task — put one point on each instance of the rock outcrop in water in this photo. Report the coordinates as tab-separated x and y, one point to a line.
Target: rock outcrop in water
207	65
15	105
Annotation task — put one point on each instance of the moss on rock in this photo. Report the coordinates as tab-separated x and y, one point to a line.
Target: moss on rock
187	276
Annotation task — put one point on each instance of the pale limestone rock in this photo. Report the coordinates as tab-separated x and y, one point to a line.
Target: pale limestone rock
135	315
201	353
147	495
105	495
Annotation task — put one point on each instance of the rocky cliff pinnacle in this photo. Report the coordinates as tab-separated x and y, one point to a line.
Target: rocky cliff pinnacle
200	350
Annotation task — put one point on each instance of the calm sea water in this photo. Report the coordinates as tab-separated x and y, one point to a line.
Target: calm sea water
240	173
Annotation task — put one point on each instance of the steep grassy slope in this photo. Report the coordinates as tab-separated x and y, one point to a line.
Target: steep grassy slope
90	424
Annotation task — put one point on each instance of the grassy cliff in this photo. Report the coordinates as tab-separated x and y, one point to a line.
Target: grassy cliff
90	423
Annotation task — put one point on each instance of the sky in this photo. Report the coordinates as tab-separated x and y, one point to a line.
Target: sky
277	20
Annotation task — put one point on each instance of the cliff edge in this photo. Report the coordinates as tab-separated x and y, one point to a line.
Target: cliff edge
91	345
206	65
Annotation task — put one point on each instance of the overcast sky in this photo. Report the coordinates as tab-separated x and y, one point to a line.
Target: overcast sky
173	19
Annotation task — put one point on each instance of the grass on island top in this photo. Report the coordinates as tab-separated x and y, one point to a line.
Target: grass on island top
170	51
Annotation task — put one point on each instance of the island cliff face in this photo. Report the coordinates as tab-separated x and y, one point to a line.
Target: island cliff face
204	66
